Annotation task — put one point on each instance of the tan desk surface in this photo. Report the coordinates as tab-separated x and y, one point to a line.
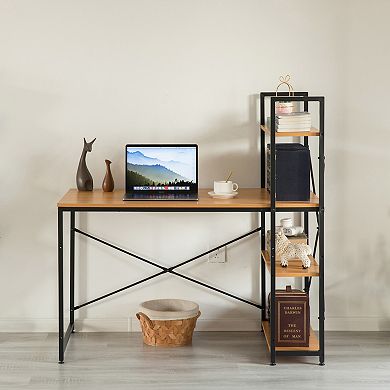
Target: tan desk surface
248	198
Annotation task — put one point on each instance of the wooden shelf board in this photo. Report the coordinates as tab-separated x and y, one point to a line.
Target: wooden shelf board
293	133
294	269
313	341
313	202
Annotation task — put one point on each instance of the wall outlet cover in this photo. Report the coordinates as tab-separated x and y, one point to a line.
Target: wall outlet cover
218	256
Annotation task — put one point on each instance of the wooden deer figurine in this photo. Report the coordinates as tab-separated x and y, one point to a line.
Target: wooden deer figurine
84	178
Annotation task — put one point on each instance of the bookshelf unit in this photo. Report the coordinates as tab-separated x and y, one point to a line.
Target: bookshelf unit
315	205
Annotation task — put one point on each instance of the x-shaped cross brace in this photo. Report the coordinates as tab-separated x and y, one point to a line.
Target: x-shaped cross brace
165	270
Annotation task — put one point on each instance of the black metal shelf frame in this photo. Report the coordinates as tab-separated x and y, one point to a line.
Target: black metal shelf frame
319	239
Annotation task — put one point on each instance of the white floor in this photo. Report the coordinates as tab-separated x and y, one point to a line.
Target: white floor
216	360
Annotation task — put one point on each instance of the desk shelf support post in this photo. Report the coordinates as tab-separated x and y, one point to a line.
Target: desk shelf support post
321	232
263	285
262	223
305	213
273	224
60	218
71	269
64	336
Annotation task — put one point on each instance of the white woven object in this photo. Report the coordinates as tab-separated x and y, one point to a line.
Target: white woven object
169	309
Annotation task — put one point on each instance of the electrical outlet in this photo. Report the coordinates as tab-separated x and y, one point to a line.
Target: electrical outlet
218	256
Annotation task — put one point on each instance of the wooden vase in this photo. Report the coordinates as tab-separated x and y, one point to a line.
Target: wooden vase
108	182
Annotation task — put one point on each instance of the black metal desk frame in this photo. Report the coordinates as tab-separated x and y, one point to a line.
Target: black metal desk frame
64	336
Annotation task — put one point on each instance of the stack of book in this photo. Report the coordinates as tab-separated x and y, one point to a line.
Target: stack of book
296	121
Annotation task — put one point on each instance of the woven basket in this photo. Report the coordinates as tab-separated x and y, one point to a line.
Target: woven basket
169	333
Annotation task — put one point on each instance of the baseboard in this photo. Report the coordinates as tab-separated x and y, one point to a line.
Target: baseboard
374	324
122	325
26	325
203	324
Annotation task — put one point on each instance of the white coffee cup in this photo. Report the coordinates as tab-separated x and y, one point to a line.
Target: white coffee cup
225	187
286	222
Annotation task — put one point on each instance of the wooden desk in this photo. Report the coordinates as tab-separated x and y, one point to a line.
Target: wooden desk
248	200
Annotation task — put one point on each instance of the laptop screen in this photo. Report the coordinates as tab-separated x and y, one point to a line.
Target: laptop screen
162	169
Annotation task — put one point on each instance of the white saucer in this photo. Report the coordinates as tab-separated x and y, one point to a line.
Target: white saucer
223	196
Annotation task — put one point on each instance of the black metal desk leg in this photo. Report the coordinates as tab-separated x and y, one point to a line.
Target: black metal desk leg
321	233
321	292
263	292
273	254
71	269
273	284
60	220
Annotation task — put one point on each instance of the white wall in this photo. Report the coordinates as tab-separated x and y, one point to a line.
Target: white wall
358	158
185	71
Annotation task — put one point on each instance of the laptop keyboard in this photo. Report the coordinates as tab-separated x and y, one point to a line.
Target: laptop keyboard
161	196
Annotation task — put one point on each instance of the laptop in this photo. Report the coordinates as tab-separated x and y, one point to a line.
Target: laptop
161	172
